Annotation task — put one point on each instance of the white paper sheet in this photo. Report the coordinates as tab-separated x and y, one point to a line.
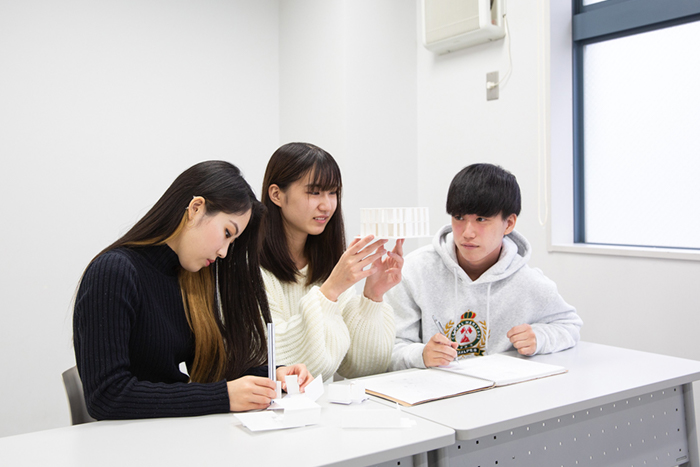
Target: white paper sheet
277	420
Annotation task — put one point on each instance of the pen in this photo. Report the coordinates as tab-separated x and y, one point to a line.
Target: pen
441	329
271	373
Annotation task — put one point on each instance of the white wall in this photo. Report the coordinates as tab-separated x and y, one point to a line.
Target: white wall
102	105
457	126
348	84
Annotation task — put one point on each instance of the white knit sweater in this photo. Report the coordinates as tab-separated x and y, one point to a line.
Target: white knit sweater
353	336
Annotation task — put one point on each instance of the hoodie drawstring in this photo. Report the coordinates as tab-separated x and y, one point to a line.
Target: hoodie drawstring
454	274
488	316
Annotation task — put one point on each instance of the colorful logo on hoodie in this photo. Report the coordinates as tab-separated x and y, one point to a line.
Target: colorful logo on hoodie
469	334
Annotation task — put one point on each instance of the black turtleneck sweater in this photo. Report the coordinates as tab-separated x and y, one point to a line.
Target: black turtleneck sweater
130	335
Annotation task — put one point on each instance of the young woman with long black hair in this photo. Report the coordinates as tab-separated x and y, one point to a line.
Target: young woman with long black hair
309	275
182	285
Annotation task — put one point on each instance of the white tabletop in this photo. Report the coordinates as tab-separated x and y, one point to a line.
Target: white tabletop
222	440
598	374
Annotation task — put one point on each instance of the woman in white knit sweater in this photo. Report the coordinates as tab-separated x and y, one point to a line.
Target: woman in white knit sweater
319	319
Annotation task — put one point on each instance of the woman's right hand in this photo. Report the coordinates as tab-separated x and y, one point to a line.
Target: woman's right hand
250	392
351	266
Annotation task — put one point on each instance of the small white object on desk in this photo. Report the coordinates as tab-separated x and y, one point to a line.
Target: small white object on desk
347	392
394	222
292	384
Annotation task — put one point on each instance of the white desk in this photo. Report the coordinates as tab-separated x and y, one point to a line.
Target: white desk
614	407
220	440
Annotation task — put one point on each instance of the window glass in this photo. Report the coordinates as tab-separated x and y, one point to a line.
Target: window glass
641	144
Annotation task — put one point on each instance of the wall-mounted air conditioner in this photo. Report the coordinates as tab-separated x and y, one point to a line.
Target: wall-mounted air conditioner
450	25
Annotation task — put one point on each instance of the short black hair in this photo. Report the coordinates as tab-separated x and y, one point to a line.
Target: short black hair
485	190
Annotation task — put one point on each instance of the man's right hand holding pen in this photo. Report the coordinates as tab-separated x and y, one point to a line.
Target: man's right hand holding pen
439	351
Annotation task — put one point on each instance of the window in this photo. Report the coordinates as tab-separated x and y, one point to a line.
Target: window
636	123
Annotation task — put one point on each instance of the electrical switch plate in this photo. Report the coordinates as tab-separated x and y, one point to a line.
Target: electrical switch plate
492	86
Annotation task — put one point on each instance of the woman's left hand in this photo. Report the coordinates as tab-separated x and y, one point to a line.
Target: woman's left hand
387	274
299	369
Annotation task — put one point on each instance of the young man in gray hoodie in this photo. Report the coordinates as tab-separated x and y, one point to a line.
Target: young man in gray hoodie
471	292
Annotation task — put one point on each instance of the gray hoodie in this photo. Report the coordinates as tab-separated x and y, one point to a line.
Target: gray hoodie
436	295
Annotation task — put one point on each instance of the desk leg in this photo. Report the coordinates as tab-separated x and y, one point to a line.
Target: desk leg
420	460
690	426
439	457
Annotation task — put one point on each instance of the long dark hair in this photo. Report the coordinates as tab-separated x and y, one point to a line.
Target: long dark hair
226	344
288	164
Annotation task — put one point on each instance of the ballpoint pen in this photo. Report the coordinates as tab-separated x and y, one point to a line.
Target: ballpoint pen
441	329
271	367
271	373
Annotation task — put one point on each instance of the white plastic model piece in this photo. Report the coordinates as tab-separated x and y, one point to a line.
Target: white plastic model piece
347	392
394	222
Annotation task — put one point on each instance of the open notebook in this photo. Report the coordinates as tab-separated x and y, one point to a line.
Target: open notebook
412	387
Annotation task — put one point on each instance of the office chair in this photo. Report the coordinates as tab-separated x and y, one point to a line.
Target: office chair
76	398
